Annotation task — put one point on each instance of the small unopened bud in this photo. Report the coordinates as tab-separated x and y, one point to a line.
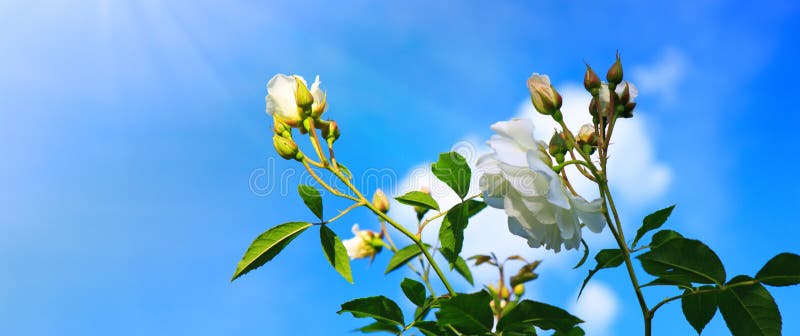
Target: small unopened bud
504	293
590	81
587	139
420	210
628	111
519	290
380	201
331	132
625	96
614	74
558	147
286	147
544	96
302	96
281	128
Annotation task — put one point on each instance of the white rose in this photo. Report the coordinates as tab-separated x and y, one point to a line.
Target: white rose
519	179
282	101
363	245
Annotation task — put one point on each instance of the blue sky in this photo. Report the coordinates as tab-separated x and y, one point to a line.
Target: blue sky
130	131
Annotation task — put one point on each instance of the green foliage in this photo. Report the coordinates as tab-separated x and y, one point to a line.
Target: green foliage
607	258
451	232
781	270
653	221
585	254
380	308
429	328
335	252
311	197
668	282
529	313
461	267
403	256
662	237
749	309
699	308
480	259
452	169
525	274
684	260
267	245
414	291
345	170
467	313
576	331
418	199
474	207
379	326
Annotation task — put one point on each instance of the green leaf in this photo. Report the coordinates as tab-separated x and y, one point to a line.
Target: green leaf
662	237
653	221
452	169
467	313
576	331
474	207
414	290
480	259
462	268
311	198
525	274
419	199
451	232
267	245
667	282
402	256
422	311
684	260
749	310
379	326
541	315
699	309
607	258
781	270
429	328
380	308
345	170
335	252
585	254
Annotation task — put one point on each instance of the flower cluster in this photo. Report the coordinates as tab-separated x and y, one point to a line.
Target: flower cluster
292	105
519	178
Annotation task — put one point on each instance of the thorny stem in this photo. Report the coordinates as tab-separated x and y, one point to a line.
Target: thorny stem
440	214
315	141
605	193
343	212
325	185
400	228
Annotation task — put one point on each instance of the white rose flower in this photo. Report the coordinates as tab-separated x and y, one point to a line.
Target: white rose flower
519	179
363	245
282	102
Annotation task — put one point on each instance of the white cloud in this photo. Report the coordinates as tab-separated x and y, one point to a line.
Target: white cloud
663	76
598	307
633	170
